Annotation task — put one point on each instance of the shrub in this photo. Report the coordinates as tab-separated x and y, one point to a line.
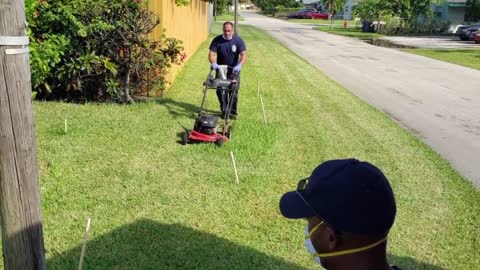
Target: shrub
393	25
428	24
97	49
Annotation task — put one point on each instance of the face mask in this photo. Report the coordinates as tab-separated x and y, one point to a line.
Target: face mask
309	245
317	256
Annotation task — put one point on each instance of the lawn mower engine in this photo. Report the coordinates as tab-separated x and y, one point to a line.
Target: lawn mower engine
206	124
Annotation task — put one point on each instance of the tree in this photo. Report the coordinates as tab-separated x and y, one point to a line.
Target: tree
368	10
400	8
472	11
334	6
420	8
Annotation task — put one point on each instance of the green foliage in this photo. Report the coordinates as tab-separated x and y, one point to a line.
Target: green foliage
368	10
221	6
420	7
472	12
187	2
182	2
270	4
401	16
97	49
393	25
334	6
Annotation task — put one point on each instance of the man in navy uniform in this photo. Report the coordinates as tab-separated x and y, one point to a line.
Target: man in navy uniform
349	208
228	49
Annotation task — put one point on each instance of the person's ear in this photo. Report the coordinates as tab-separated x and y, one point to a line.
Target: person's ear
332	238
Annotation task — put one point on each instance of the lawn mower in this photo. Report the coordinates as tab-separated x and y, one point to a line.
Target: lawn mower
205	127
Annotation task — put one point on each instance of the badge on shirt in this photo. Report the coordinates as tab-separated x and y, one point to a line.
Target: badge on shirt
234	48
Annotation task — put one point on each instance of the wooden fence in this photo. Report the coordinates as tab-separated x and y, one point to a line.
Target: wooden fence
190	24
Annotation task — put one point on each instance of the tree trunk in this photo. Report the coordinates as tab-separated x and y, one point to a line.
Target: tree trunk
22	237
127	88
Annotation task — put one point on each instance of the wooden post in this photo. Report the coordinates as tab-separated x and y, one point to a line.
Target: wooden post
235	17
21	222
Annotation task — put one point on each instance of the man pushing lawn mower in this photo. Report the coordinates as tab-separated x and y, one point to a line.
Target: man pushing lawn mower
205	128
228	50
227	55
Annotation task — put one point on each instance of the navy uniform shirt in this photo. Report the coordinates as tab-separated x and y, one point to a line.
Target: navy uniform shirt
228	51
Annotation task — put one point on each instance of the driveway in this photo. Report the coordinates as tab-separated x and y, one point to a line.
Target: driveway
433	42
438	101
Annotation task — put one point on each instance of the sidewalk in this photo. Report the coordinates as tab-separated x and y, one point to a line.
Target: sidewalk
433	42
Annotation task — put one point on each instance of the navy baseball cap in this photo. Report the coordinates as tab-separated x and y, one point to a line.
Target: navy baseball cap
350	195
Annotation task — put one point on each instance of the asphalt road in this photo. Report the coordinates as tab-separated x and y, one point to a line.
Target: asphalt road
438	101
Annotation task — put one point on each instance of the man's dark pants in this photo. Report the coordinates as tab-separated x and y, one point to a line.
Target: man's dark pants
224	95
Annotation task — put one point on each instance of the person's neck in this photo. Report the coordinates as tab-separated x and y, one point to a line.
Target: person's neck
374	259
224	37
360	265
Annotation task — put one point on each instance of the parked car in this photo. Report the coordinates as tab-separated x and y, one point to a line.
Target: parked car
471	35
460	28
299	14
464	33
316	15
475	36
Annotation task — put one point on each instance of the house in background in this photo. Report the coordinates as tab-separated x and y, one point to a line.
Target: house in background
451	10
313	4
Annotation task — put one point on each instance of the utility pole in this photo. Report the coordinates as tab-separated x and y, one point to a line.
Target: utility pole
236	17
215	10
332	10
21	222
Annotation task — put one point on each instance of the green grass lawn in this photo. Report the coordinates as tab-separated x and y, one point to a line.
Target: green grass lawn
228	17
464	57
156	204
349	32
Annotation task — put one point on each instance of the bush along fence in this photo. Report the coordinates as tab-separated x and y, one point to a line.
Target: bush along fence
97	50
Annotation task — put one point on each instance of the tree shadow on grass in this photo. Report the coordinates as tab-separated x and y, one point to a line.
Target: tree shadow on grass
407	263
180	109
146	244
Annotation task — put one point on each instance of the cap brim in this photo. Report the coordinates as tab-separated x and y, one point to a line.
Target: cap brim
292	206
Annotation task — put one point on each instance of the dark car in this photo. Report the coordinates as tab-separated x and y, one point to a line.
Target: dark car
300	14
464	32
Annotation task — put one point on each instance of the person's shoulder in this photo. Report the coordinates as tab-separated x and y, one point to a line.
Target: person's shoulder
215	42
238	38
217	38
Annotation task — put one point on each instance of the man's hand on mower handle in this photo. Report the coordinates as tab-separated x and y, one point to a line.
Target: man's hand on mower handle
237	68
214	66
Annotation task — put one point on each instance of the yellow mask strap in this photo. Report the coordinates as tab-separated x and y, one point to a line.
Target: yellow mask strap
313	230
349	251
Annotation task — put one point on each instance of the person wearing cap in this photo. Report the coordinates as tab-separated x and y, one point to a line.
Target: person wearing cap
230	50
349	207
